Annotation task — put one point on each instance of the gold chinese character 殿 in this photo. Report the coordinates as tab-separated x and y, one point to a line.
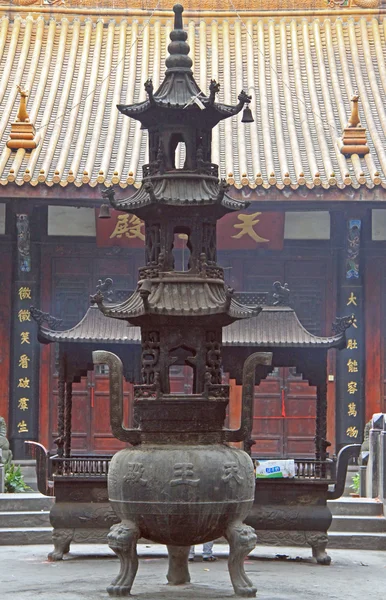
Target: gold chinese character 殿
22	427
352	432
246	227
24	337
24	361
128	226
352	299
25	293
24	315
23	382
352	344
352	387
352	366
352	409
23	403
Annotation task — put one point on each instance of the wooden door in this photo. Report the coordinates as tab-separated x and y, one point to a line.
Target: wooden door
5	325
284	416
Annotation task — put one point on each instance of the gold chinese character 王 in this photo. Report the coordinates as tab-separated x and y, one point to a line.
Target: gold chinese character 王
23	361
22	427
352	344
352	366
23	382
352	387
23	403
25	293
352	299
246	227
24	337
24	315
352	409
129	226
352	432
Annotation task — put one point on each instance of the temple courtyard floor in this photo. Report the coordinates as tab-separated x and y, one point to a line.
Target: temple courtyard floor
278	573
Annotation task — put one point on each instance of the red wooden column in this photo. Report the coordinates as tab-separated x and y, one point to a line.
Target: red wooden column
373	333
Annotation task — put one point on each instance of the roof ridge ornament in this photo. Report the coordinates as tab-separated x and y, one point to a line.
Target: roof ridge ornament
22	131
354	139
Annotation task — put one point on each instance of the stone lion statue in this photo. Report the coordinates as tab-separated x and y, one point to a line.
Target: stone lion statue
4	444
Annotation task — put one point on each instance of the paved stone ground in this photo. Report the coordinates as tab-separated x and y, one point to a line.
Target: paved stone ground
25	574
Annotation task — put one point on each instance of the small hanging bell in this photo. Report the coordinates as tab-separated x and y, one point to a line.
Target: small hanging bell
247	115
104	212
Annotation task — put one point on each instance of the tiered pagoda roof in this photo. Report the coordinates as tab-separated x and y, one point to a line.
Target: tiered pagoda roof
302	72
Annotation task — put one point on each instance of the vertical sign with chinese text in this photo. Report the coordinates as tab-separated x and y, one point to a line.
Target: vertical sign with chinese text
25	351
350	405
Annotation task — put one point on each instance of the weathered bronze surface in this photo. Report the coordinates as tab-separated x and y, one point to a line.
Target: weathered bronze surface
179	484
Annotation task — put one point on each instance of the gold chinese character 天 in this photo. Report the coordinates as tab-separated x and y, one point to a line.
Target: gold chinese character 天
352	366
246	227
24	337
352	409
352	387
22	427
25	293
23	382
24	315
24	361
352	344
352	299
128	226
352	432
23	403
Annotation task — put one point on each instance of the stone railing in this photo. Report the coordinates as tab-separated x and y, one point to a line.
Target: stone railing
373	461
81	466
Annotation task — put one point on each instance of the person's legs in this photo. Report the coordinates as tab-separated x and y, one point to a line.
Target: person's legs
207	552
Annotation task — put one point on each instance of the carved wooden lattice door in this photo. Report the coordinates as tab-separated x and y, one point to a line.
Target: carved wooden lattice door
73	281
285	403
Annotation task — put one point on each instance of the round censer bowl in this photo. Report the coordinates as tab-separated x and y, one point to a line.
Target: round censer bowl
181	495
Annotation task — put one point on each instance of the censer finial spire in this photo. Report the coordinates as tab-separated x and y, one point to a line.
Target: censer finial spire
179	49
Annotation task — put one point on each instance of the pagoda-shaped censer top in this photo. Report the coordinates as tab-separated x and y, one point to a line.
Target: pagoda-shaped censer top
181	312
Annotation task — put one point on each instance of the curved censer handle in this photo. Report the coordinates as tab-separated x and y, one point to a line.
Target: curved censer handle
102	357
248	382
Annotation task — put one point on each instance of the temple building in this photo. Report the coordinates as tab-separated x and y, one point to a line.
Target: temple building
308	153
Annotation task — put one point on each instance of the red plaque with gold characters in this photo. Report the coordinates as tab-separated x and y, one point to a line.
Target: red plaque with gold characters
245	230
250	229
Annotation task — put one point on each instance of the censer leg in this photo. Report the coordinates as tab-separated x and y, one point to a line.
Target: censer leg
241	539
122	539
178	572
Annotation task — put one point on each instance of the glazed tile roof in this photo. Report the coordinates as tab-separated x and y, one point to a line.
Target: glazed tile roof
275	326
93	328
302	73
